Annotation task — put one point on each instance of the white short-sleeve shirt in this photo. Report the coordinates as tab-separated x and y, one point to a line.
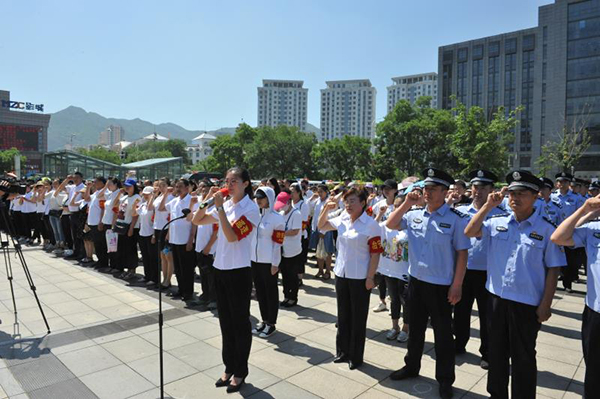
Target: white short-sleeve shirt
354	254
292	245
179	230
161	218
94	210
235	255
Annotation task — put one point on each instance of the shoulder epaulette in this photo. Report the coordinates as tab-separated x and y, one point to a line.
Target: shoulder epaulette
459	213
499	215
418	208
556	202
590	221
549	221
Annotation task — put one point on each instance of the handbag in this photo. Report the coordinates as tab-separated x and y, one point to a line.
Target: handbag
112	241
55	213
121	227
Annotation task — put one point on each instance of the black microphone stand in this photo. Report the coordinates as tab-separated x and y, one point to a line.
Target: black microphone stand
160	312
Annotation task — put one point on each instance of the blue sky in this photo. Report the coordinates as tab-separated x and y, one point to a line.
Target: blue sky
198	63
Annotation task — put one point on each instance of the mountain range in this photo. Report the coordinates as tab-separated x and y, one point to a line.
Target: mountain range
86	127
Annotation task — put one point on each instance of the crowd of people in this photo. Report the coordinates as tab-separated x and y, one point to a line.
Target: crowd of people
432	245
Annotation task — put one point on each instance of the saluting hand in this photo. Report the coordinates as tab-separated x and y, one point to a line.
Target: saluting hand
496	198
413	198
592	204
452	198
331	205
382	209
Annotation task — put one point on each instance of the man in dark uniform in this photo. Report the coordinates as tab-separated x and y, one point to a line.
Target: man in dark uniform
522	269
437	264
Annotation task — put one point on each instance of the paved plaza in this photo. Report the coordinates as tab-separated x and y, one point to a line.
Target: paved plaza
104	344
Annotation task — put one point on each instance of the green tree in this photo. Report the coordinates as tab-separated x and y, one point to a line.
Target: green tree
565	152
283	151
226	152
348	157
99	152
482	143
411	138
157	149
7	159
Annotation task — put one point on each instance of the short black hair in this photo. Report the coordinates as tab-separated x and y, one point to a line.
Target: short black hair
78	173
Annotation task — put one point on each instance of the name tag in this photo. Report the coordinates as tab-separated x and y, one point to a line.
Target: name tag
417	220
501	228
445	225
536	236
597	235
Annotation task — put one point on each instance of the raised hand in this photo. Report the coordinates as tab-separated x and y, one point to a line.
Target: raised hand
494	199
413	198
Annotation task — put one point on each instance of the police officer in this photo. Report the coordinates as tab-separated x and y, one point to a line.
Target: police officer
437	264
569	202
482	184
547	206
522	269
594	188
587	235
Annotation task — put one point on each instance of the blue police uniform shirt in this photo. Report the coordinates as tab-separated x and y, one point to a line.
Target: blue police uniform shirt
518	255
479	246
588	236
551	209
433	239
569	202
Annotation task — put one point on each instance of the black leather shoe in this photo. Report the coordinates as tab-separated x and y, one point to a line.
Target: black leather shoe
446	391
223	383
352	365
403	373
340	359
484	364
236	388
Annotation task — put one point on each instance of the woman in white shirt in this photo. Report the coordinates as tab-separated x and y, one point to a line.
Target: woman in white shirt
266	256
57	200
206	243
148	248
110	196
28	206
322	242
237	219
161	218
127	243
359	247
292	248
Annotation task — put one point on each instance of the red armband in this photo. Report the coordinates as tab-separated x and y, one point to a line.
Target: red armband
278	236
101	203
304	225
215	227
115	209
370	211
242	227
375	246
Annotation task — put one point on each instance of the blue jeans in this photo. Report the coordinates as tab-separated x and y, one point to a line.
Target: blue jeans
57	228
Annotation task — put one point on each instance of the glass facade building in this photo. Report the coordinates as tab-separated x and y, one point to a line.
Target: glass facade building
552	71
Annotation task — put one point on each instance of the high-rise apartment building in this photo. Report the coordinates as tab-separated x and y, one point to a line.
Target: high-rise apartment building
282	102
348	108
552	70
111	135
412	87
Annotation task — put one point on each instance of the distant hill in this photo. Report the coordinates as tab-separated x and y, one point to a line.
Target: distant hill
88	125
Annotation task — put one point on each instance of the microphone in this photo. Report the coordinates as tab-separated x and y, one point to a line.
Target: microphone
211	201
185	211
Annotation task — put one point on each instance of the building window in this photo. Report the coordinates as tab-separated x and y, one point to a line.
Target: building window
463	54
494	49
477	83
510	46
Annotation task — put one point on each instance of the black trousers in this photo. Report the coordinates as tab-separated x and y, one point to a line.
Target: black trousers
184	263
352	312
430	300
305	241
289	275
78	248
65	221
29	223
513	329
233	288
38	230
399	297
48	228
149	258
267	292
575	258
100	247
126	255
207	276
590	331
382	287
473	290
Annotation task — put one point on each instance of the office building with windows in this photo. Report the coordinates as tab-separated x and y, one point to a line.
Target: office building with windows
348	108
282	102
412	87
552	70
